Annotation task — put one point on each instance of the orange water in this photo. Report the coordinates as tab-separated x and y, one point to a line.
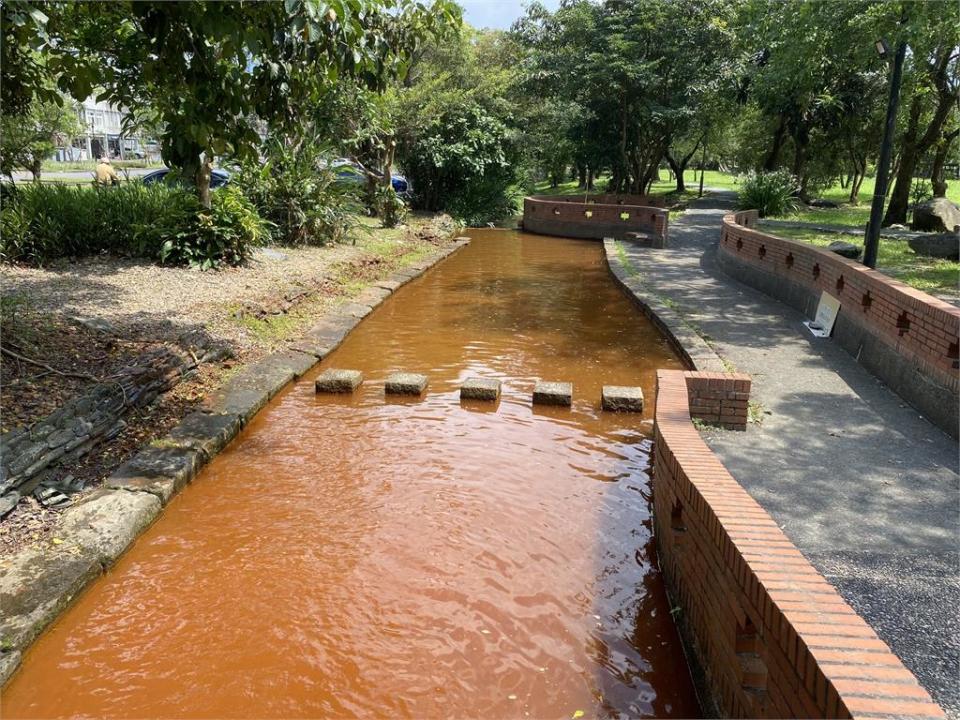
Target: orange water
354	556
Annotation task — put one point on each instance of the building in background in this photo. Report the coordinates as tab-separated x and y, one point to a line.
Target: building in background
103	135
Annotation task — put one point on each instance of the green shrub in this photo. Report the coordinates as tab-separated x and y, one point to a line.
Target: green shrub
769	193
39	223
390	208
296	190
224	233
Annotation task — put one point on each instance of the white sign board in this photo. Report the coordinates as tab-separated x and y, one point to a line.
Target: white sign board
822	324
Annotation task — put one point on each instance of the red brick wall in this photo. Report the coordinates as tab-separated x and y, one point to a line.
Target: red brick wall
771	635
719	398
564	216
916	325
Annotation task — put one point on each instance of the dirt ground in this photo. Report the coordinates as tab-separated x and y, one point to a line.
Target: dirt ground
69	325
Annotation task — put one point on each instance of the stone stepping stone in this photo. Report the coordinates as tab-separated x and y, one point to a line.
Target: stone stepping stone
476	388
553	393
403	383
621	398
336	380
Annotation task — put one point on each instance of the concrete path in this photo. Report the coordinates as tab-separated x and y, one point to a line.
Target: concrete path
864	486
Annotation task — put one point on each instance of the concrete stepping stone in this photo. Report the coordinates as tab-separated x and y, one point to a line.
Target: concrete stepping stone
553	393
336	380
403	383
476	388
621	398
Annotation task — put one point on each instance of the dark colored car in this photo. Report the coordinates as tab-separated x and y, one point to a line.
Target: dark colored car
218	178
349	172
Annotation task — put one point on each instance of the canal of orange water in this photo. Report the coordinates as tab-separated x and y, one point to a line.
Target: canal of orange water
361	556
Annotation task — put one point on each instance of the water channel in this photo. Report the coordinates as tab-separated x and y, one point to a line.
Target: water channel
351	556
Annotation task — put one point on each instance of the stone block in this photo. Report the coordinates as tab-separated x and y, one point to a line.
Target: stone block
620	397
553	393
334	380
159	470
476	388
207	432
403	383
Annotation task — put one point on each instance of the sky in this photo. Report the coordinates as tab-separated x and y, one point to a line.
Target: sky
497	13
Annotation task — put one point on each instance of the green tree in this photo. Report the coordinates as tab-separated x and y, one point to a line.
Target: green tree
213	72
27	139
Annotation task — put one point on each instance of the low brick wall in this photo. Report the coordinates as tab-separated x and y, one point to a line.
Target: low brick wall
719	398
907	338
769	636
572	217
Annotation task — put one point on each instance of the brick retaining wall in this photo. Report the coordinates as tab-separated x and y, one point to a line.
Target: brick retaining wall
571	217
719	398
770	637
907	338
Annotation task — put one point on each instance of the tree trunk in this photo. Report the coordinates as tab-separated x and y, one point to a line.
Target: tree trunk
677	170
203	183
778	137
581	176
937	179
590	178
914	146
36	167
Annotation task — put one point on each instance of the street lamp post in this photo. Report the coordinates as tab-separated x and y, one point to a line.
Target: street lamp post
872	240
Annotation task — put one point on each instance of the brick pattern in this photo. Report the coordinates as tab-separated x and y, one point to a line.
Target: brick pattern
610	219
916	325
719	398
771	635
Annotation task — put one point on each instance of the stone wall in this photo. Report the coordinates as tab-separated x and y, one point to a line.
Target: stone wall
30	455
907	338
567	217
769	636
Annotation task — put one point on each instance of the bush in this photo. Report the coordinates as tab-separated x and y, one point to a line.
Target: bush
390	208
224	233
39	223
770	193
296	190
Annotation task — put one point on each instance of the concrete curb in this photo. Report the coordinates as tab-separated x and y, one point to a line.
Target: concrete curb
694	350
37	584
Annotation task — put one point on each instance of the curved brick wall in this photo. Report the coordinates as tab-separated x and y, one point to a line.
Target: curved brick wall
770	637
907	338
568	216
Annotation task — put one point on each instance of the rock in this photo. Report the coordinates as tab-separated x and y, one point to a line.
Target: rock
938	245
553	393
403	383
334	380
845	249
161	471
822	203
107	522
207	432
620	397
897	226
476	388
96	324
8	502
936	215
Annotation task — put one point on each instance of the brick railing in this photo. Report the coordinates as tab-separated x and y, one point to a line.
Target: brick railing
906	337
572	217
719	398
770	637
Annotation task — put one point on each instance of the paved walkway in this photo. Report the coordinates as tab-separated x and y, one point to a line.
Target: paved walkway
866	488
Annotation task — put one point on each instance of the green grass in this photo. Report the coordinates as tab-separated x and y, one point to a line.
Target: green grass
54	166
663	187
850	215
896	259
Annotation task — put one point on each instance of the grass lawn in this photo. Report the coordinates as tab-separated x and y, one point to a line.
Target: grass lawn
664	187
52	166
852	215
932	275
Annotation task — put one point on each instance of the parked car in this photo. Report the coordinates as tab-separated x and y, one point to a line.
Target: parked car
218	178
348	171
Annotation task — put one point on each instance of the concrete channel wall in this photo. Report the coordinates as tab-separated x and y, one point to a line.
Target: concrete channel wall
38	583
907	338
570	216
770	637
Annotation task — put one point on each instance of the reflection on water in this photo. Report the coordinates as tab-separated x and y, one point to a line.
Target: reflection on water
426	558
